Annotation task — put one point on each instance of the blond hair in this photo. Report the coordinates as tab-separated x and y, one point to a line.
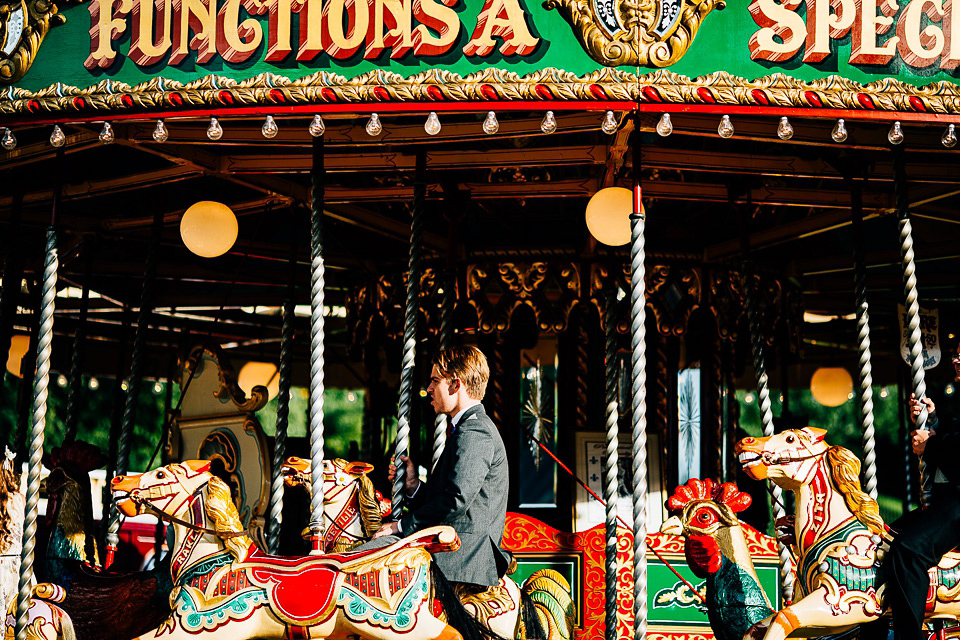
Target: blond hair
467	364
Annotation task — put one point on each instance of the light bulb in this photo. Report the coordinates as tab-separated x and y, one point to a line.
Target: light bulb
106	134
9	141
609	124
373	125
490	124
269	128
665	126
160	133
549	124
432	125
948	139
784	129
214	131
895	135
317	127
839	133
726	127
57	138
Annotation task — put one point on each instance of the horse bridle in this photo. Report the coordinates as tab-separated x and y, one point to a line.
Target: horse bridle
770	458
141	498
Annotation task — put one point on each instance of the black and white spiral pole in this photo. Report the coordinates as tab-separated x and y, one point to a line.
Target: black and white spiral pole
446	341
402	447
611	466
316	347
48	296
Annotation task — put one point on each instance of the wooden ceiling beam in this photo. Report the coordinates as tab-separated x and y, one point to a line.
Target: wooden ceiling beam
43	151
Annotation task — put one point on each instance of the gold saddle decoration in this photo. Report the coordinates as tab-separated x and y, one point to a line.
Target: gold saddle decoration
646	33
488	603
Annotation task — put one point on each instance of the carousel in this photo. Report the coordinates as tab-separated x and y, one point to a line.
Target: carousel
246	215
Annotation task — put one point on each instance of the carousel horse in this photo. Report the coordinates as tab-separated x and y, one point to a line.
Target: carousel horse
46	620
353	511
716	550
840	537
226	587
103	606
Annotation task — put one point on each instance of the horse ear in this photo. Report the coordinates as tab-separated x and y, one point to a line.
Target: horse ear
814	433
198	466
358	468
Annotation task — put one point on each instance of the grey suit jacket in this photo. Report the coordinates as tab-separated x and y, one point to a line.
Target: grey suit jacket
468	491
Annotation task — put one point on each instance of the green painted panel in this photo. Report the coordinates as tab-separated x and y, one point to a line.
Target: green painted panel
722	43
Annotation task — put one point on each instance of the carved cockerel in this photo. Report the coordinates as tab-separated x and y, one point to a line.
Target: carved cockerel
717	552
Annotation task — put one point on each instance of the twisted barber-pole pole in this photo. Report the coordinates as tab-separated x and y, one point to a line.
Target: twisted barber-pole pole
402	447
913	307
638	345
611	461
863	347
316	348
446	339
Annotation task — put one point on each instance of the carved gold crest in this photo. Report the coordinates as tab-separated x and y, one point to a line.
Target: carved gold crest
23	24
647	33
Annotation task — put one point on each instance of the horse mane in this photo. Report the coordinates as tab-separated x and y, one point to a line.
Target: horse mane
845	471
369	505
223	516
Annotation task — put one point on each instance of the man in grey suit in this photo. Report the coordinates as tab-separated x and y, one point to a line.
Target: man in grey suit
469	486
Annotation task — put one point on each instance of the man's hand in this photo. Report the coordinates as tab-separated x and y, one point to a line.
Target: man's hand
918	439
914	410
387	529
411	481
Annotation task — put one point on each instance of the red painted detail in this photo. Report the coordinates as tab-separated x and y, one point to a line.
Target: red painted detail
380	93
300	596
33	106
437	608
931	602
328	94
434	92
703	555
111	552
652	95
597	92
298	633
175	99
760	97
865	101
79	103
917	103
488	92
813	98
127	100
706	95
277	96
543	92
225	97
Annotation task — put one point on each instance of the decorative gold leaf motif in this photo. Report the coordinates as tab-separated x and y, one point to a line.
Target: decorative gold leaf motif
648	33
23	25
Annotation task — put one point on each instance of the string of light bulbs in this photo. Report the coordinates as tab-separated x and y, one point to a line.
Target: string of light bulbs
491	126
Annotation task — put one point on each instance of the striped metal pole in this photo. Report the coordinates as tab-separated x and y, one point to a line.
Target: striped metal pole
316	347
446	341
402	446
611	460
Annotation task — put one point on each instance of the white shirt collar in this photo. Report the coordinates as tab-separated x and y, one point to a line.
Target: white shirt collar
455	420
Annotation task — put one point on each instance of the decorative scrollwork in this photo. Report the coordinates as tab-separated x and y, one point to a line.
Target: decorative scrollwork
674	292
228	390
726	301
23	25
551	290
647	33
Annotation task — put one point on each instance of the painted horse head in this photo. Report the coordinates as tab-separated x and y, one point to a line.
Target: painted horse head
352	508
187	495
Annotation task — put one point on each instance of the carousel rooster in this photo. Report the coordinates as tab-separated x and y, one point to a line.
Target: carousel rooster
103	606
717	553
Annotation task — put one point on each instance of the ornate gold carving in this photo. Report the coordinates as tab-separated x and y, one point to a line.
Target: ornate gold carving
648	33
550	289
23	25
229	389
660	87
726	301
674	293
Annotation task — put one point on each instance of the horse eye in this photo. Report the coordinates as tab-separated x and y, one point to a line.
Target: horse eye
161	475
790	439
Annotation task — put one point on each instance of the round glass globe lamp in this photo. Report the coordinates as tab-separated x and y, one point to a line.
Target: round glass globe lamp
262	374
831	386
18	348
608	215
209	228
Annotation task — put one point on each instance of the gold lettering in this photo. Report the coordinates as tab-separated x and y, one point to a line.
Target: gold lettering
436	15
236	40
920	48
106	25
199	16
502	19
864	49
146	46
781	32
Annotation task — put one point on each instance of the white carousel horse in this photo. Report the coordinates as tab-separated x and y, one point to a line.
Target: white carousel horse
46	621
225	587
353	511
840	537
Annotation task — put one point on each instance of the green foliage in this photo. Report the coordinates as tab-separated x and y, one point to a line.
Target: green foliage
342	417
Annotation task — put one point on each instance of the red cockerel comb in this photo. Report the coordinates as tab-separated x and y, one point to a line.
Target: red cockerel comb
697	489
